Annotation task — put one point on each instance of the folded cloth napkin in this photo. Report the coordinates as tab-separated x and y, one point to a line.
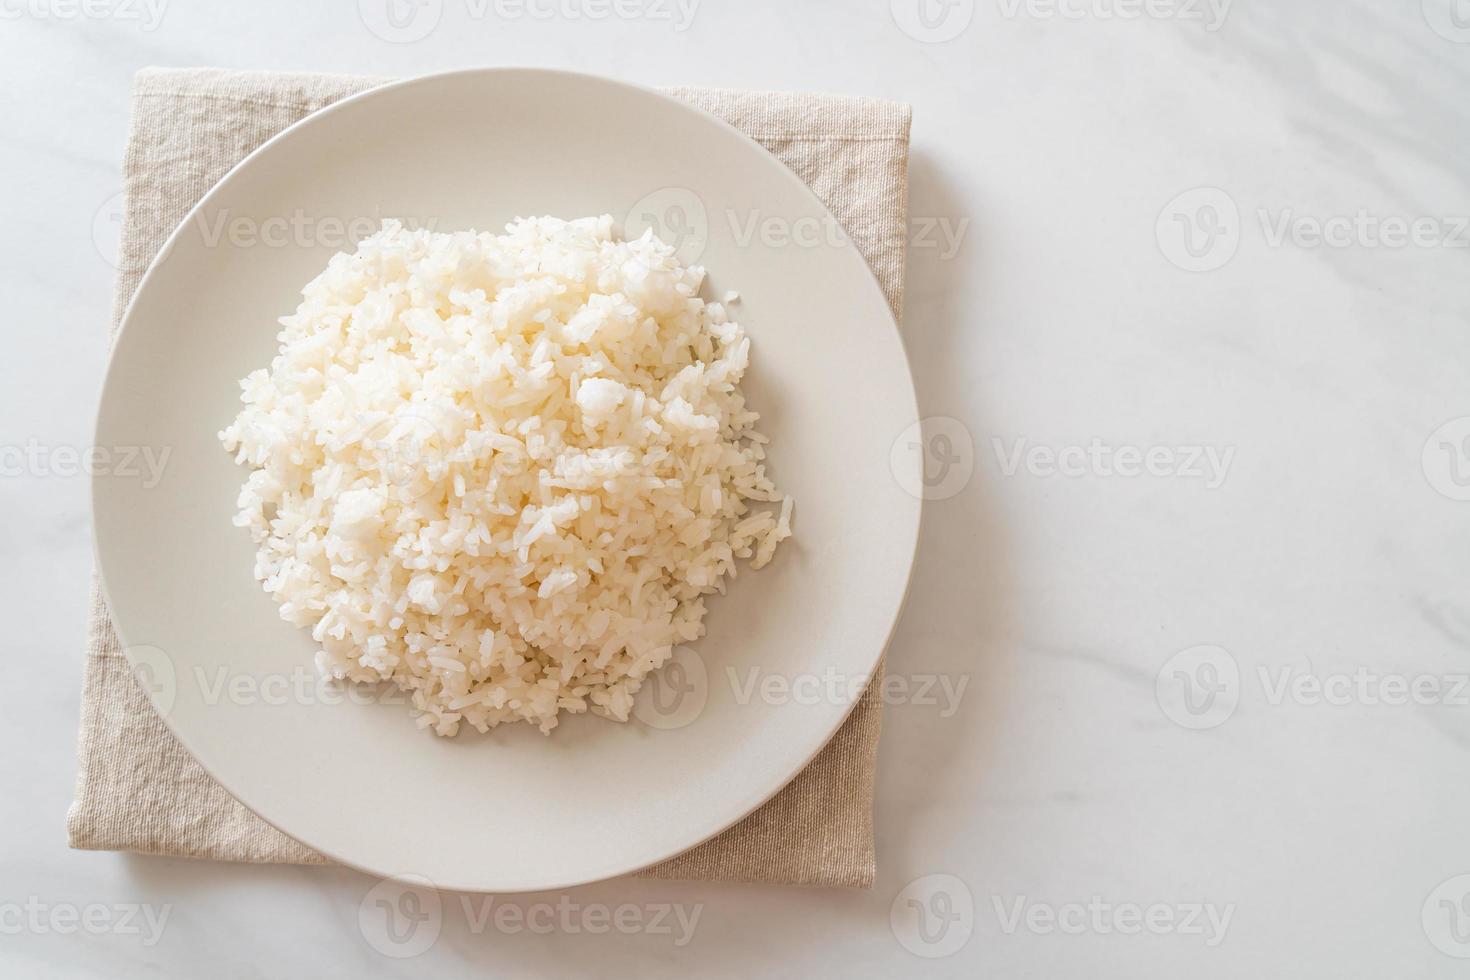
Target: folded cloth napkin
139	790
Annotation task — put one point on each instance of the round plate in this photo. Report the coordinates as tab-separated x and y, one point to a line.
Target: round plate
788	650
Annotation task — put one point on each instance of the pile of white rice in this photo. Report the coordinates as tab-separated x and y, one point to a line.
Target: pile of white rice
502	472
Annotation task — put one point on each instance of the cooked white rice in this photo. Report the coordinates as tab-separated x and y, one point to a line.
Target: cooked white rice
503	472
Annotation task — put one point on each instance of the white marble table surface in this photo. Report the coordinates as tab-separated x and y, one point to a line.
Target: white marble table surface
1215	716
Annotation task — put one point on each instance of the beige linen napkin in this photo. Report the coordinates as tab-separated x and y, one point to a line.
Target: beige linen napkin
139	790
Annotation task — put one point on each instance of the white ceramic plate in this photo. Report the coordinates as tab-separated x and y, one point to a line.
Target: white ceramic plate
512	810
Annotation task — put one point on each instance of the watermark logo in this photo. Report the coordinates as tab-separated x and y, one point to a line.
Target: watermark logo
1199	231
934	916
407	446
932	21
1446	459
676	216
107	225
1446	917
401	917
674	695
154	672
1199	688
934	458
400	21
1450	19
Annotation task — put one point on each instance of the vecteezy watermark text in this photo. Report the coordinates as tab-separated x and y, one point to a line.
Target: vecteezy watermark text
678	14
1363	229
1211	13
299	229
1201	230
566	916
936	915
403	917
941	691
407	21
37	917
677	693
1210	464
158	676
1200	687
680	218
35	458
1099	917
942	235
148	14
